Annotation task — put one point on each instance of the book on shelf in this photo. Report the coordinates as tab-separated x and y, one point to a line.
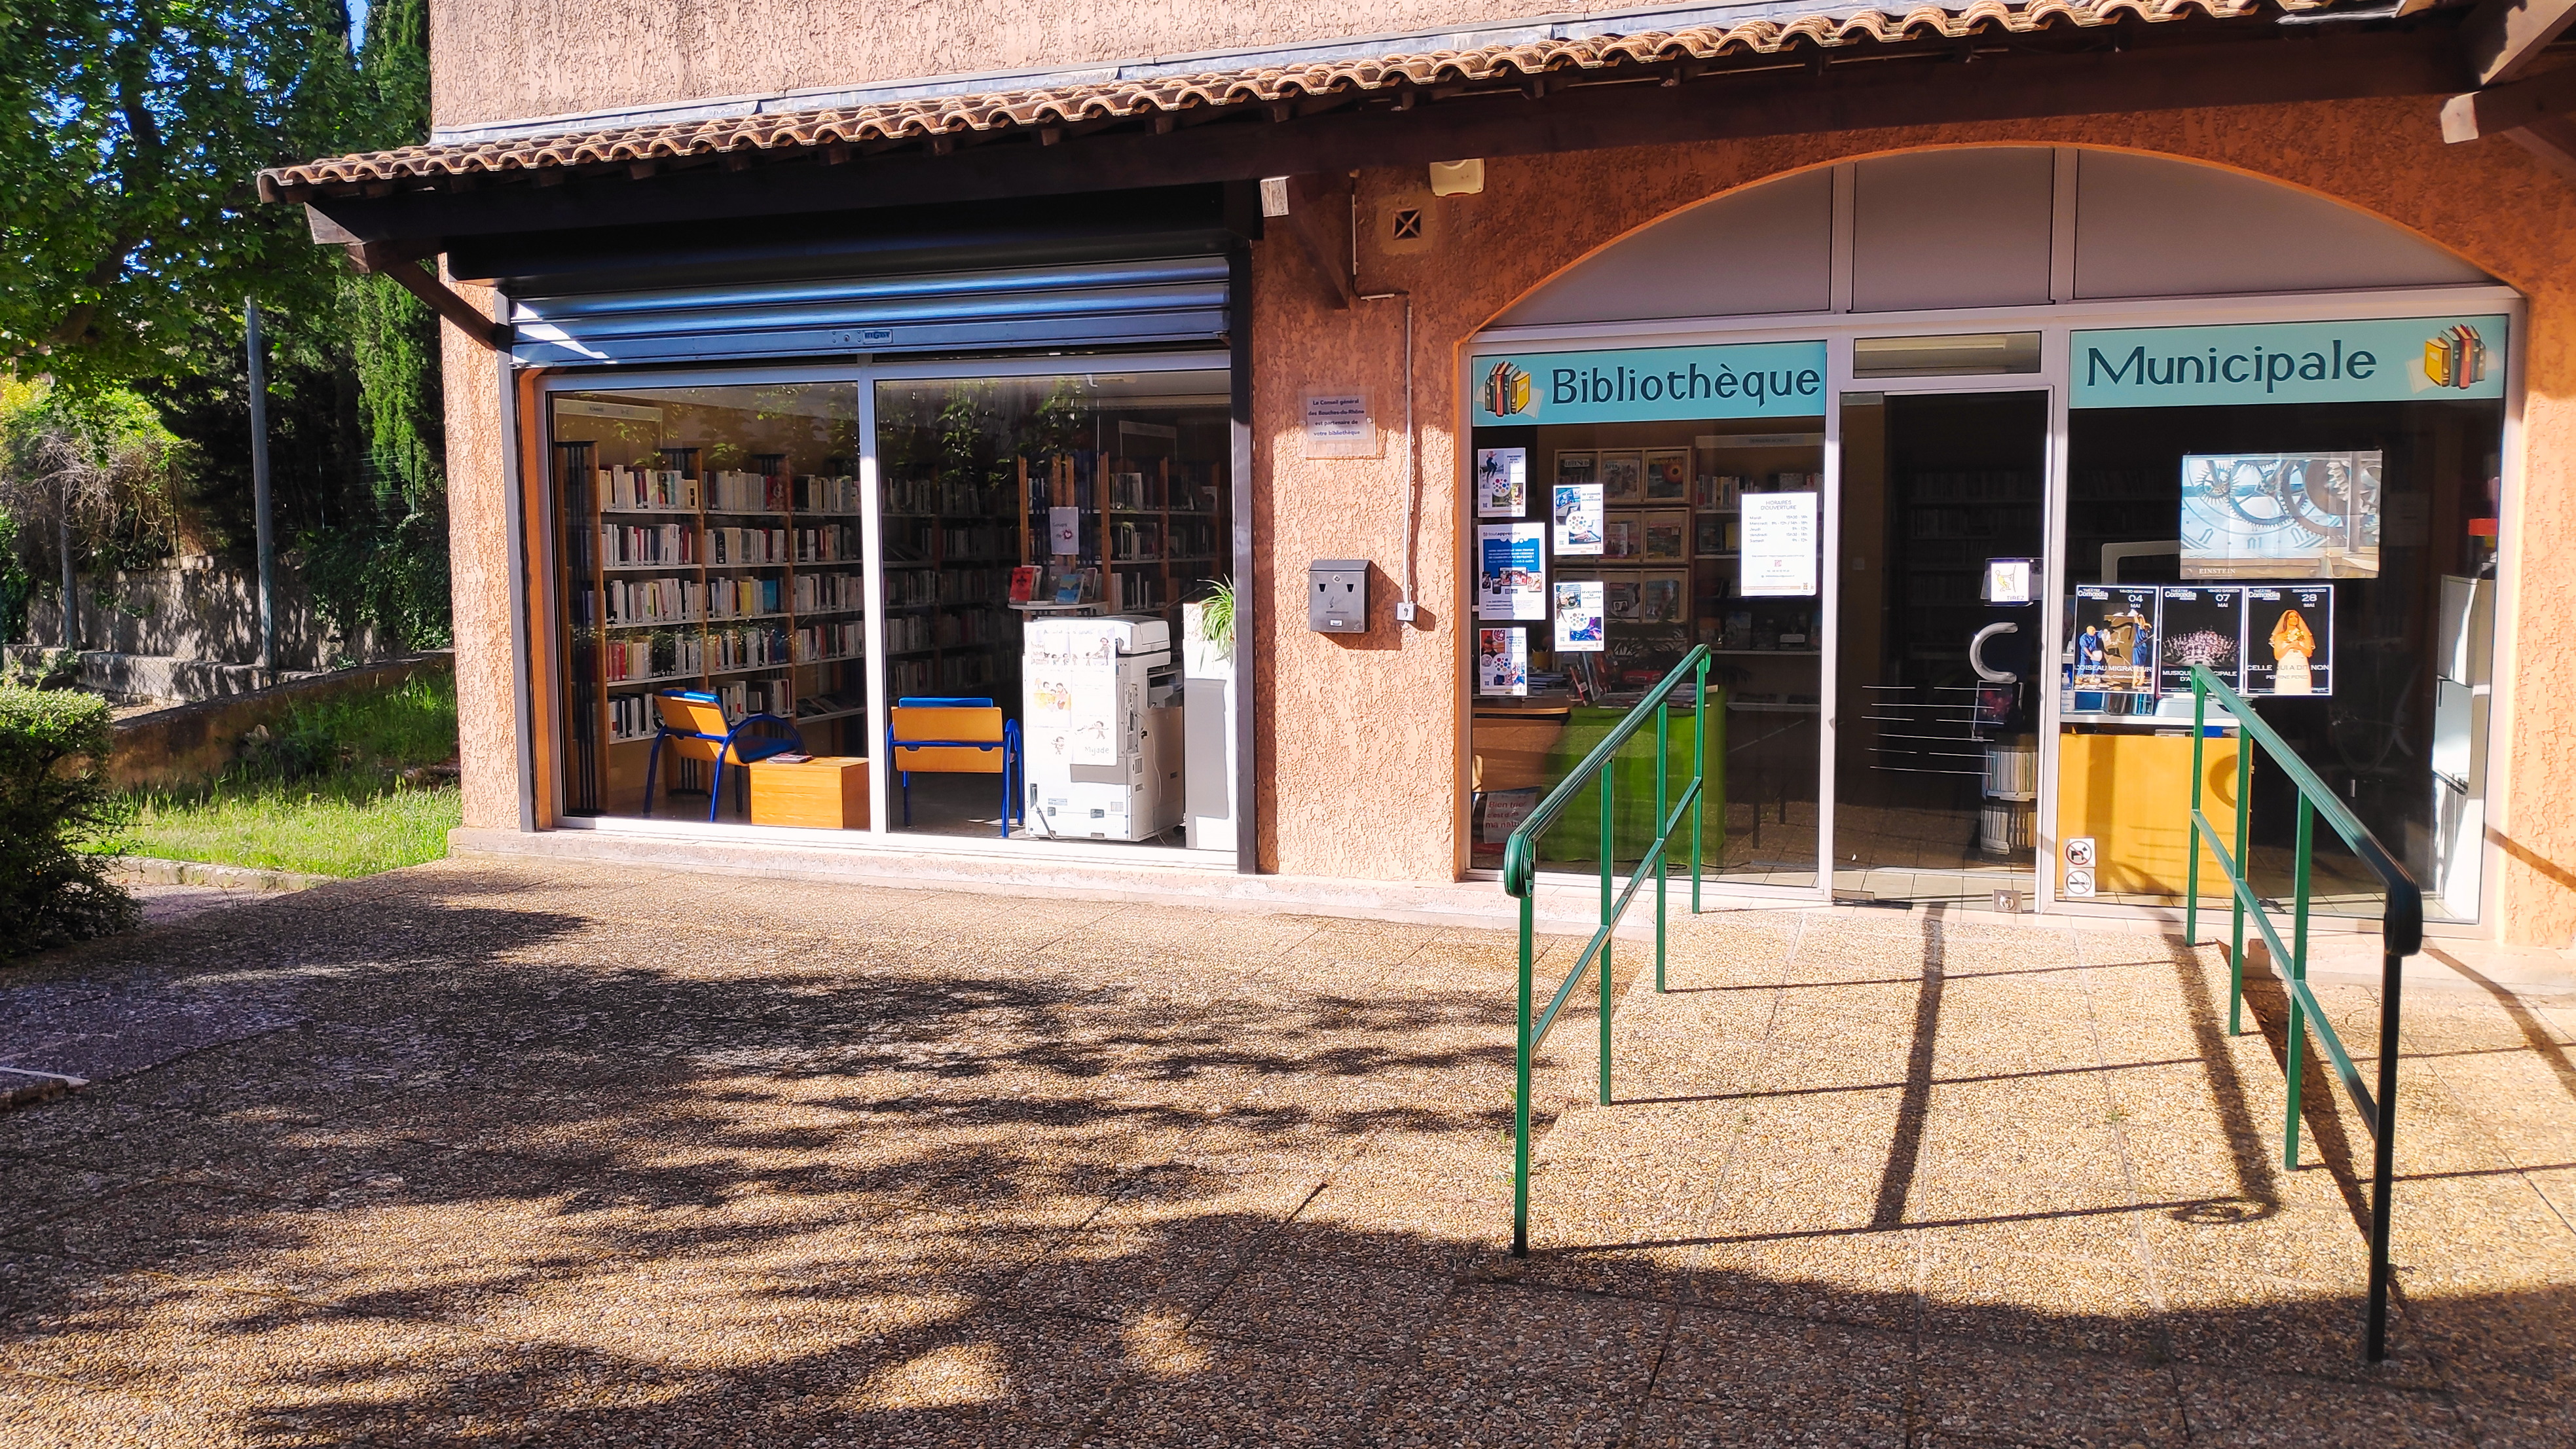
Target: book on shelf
1024	582
636	490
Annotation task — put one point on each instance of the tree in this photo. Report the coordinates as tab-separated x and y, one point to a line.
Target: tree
135	132
137	129
98	470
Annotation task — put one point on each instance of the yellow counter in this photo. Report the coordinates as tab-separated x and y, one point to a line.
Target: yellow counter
2131	792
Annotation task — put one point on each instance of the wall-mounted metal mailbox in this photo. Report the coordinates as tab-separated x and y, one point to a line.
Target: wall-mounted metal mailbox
1337	596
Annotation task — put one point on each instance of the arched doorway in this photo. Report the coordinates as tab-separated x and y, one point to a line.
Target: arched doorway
1999	369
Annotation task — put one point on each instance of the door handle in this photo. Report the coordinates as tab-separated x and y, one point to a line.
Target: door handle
1977	654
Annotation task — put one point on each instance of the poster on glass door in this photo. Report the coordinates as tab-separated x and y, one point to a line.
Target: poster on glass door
1779	553
1502	482
2111	634
1511	571
2289	639
1580	614
2203	627
1502	661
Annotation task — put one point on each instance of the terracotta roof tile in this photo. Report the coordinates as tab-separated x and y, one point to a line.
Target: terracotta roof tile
923	118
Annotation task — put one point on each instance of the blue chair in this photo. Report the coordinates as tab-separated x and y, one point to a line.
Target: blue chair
693	724
946	735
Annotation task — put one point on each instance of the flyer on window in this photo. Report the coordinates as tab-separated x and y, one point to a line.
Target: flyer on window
2111	648
1511	580
2203	626
1502	482
1578	519
1579	616
1779	545
1502	661
2289	639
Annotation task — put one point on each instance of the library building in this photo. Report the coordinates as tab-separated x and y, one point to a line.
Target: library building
1297	460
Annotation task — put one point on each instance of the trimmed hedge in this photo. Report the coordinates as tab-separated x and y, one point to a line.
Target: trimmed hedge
54	801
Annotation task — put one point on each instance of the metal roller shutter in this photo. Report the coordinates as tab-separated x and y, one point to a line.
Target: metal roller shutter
1078	304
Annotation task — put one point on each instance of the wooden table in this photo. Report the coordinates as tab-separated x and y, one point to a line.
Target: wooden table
823	792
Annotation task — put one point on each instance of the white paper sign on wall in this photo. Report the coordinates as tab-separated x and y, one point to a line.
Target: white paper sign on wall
1064	530
1339	423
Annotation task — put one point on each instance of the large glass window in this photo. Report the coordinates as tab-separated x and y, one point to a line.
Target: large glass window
1604	551
1051	544
713	584
2335	559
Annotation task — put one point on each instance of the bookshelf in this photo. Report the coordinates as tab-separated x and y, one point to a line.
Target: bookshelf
750	584
949	552
1150	528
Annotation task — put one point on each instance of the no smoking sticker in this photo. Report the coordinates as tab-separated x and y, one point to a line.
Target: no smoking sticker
2079	855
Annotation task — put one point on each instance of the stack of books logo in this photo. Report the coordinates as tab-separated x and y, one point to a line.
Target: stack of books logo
2456	357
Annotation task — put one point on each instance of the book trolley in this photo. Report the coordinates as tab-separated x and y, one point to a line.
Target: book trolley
748	584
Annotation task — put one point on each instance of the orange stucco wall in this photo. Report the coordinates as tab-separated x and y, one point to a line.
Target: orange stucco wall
479	564
1362	743
1360	736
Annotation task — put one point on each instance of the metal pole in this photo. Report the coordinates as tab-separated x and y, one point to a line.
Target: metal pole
2243	872
2191	866
1521	1094
71	590
1663	758
2298	973
2383	1152
1609	773
259	490
1699	774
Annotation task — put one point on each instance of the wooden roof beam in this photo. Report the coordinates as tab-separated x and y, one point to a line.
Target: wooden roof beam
2532	114
2501	38
401	262
2508	107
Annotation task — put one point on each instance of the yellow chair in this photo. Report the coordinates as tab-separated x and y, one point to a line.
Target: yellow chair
952	736
693	724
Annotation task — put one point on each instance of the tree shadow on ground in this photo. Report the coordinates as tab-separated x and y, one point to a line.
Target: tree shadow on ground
512	1178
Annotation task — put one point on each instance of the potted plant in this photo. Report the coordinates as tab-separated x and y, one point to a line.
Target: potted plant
1207	633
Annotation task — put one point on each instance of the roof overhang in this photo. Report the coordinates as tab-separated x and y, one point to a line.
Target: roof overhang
1988	60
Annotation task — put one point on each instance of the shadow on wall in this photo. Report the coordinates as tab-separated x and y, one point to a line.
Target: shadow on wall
199	610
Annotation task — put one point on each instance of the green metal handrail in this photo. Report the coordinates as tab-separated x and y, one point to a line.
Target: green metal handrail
2401	934
1520	878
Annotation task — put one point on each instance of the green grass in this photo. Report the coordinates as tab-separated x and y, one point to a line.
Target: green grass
323	793
339	825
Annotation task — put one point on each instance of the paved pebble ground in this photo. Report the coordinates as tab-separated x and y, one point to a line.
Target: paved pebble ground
474	1154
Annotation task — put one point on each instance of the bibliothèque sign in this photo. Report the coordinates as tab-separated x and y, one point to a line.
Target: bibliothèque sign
2382	360
1650	384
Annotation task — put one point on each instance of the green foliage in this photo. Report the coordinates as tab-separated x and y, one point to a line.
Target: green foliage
101	462
17	586
44	669
133	235
54	818
1216	615
339	824
389	574
336	788
139	127
373	733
